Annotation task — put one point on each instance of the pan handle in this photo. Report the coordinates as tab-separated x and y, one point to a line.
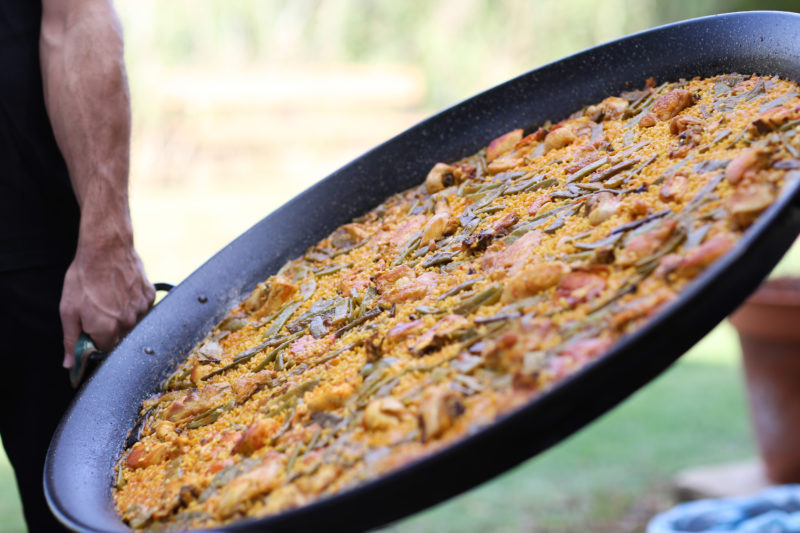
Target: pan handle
86	353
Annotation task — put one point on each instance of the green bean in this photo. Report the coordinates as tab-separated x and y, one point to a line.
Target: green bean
411	245
281	319
439	258
719	137
616	169
331	269
372	313
588	169
277	350
789	148
332	355
460	287
211	416
487	296
611	240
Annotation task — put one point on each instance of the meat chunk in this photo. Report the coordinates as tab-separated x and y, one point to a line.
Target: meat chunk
747	165
748	201
329	397
532	279
441	333
260	480
442	176
674	187
560	137
697	259
411	287
257	435
246	385
438	411
503	144
772	119
580	286
148	453
667	106
511	258
384	413
646	244
280	290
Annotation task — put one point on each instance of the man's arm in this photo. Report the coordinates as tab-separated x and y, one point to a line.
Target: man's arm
86	93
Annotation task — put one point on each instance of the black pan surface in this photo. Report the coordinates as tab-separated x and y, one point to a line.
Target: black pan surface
79	468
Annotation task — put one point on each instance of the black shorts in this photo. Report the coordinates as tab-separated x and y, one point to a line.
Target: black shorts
35	390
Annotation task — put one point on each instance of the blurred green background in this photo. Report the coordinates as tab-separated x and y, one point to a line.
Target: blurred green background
241	104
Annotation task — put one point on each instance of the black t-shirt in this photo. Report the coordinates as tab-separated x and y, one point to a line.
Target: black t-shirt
39	215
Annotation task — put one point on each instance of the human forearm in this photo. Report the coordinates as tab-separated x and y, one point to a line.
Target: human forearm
86	93
87	98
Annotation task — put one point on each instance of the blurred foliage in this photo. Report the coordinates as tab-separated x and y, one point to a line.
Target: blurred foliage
461	46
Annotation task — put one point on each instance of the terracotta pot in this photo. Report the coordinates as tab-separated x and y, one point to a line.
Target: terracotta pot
769	331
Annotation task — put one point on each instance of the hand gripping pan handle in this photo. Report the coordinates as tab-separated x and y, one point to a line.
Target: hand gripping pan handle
88	357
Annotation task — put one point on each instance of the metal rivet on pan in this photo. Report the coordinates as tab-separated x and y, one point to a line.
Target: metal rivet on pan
202	299
149	351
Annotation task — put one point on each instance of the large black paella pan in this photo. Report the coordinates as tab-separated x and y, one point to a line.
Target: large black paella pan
79	468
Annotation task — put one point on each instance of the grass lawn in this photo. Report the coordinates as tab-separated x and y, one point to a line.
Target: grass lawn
610	477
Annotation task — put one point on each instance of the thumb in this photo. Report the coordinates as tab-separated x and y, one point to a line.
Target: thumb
71	326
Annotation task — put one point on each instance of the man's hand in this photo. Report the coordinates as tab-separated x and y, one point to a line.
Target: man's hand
86	93
105	293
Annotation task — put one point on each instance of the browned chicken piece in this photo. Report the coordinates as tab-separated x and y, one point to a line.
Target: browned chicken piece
147	453
353	280
609	109
747	165
307	347
403	329
689	131
348	235
501	259
437	226
667	106
538	203
398	236
280	291
532	279
386	280
196	402
697	259
257	435
581	286
507	352
327	399
411	288
246	385
602	207
642	307
262	479
503	144
531	138
502	226
772	119
560	137
441	333
674	187
384	413
748	201
438	411
646	244
443	176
